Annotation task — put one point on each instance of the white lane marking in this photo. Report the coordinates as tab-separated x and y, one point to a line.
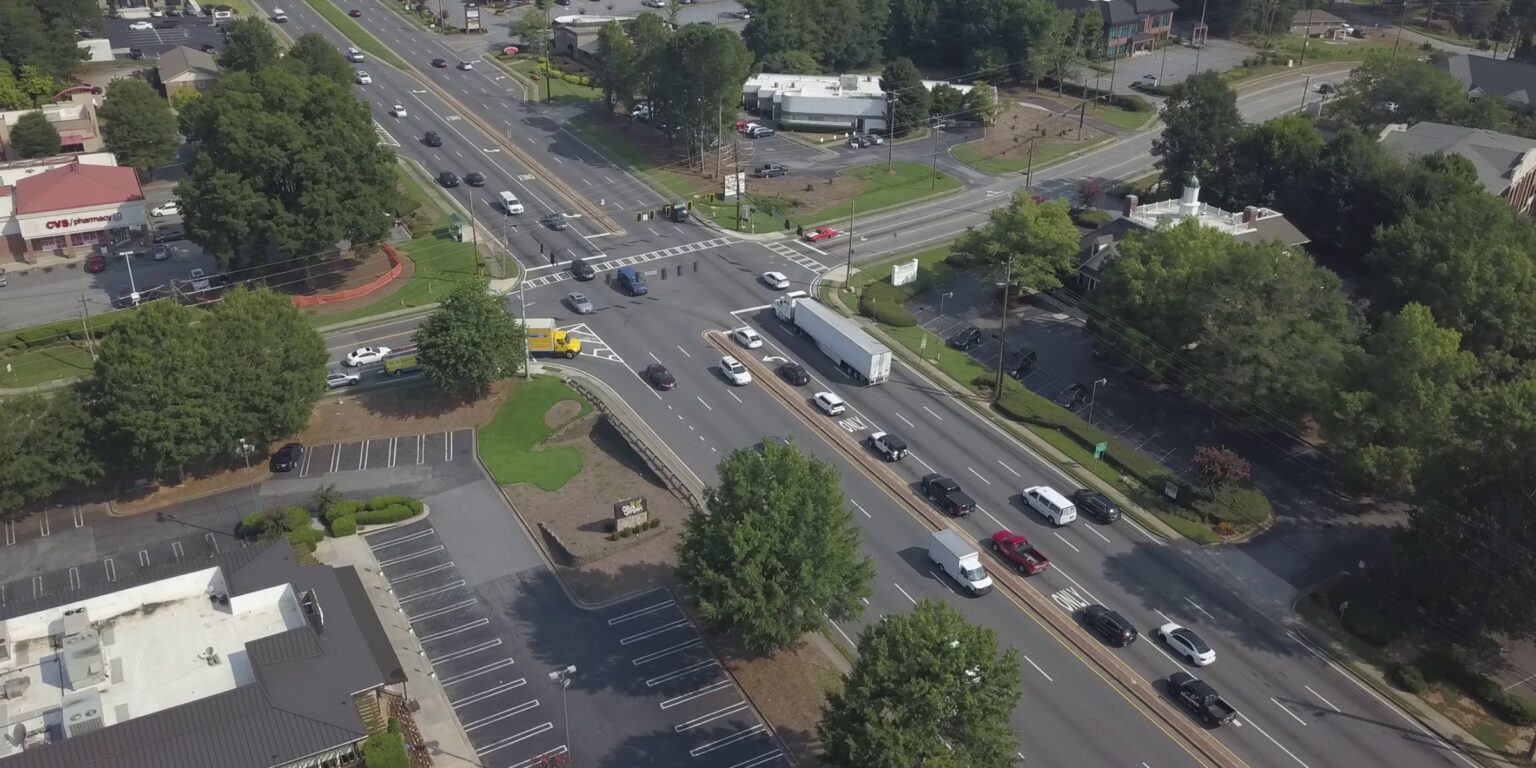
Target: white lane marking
1064	541
904	419
1038	669
904	593
930	412
653	356
684	351
1010	469
1095	532
861	508
990	517
706	405
691	695
733	395
851	643
978	476
1323	700
1271	738
925	464
1198	608
1287	711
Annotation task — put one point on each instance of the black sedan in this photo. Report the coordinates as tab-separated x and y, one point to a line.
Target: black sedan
1096	505
440	63
287	458
169	235
555	221
1073	397
448	179
794	374
474	179
432	139
967	339
659	377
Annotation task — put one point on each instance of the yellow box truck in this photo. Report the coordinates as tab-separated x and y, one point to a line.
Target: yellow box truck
544	337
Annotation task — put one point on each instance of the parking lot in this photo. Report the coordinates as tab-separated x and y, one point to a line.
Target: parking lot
389	453
119	566
191	31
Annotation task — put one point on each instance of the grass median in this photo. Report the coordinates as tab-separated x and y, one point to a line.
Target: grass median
510	445
1049	154
353	31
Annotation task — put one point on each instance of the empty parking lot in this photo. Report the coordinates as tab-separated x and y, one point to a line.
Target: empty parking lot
389	453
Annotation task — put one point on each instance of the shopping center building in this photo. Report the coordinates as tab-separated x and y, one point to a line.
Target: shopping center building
68	206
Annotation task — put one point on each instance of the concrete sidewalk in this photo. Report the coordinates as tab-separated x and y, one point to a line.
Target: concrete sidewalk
446	740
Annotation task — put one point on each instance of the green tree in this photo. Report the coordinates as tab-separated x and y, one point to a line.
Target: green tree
41	34
1385	89
263	185
272	369
470	341
44	449
531	31
902	81
34	136
1265	161
947	101
652	39
916	30
854	32
929	689
777	551
779	26
790	63
1038	241
11	95
38	84
980	102
138	125
616	59
1201	125
1398	402
249	46
314	56
699	83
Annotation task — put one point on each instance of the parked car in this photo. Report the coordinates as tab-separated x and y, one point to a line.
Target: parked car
1073	397
169	208
431	139
209	48
95	263
1019	553
747	337
1096	505
829	403
1114	628
1187	644
365	356
579	302
821	233
339	379
770	170
794	374
775	280
966	339
734	371
947	495
198	279
135	53
887	445
140	26
161	252
660	377
286	459
1024	363
170	235
758	132
448	179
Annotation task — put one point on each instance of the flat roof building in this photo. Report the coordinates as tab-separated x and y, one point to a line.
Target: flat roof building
826	102
74	119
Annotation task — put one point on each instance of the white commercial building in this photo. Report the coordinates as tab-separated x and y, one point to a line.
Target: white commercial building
823	102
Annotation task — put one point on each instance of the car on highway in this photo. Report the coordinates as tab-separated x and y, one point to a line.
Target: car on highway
1187	644
355	56
161	252
363	78
355	13
397	110
339	379
775	280
889	446
966	339
555	221
169	208
1019	553
439	63
579	303
1116	630
747	337
286	459
794	374
770	170
466	66
829	403
140	26
448	179
474	179
365	356
581	270
1096	505
1050	504
946	493
734	371
431	139
1200	698
659	377
1073	397
820	233
96	262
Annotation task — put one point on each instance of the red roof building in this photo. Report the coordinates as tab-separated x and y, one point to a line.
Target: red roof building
77	186
70	211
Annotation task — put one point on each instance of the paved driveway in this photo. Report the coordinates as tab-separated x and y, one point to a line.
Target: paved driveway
191	31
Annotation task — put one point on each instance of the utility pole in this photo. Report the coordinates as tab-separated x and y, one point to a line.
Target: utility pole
523	312
933	180
1306	37
1402	22
848	266
890	132
1002	333
1029	169
736	169
1304	86
1200	29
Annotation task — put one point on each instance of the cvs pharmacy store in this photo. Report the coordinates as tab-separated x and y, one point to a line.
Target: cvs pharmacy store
71	211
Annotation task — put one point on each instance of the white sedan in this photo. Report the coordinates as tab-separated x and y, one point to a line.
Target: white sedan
734	371
140	26
397	110
336	379
366	355
172	208
363	78
1187	644
747	338
775	280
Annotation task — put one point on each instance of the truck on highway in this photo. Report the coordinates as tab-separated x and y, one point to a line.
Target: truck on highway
400	361
855	352
958	559
1200	698
545	338
1019	553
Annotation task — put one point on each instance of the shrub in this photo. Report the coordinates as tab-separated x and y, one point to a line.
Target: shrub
1241	505
1409	678
304	540
391	514
337	510
1511	708
886	303
654	523
626	533
1132	103
380	502
295	518
386	750
345	526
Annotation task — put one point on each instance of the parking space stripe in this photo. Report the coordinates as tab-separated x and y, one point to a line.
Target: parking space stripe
743	735
691	668
447	446
763	759
663	653
430	592
177	551
447	657
362	455
705	719
74	578
422	572
403	539
144	557
111	569
212	542
304	467
394	446
649	633
423	553
486	694
502	715
640	612
441	611
336	457
516	737
455	630
705	691
492	667
421	449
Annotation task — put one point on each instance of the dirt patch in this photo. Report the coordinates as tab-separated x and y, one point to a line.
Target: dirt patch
791	689
362	276
1018	126
398	410
560	413
807	194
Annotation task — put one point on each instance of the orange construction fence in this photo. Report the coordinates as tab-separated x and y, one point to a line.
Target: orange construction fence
395	266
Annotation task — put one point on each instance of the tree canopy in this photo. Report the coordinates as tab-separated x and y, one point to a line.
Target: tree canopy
830	35
928	688
470	341
696	81
138	125
249	46
776	549
1200	127
41	34
44	448
1037	239
34	136
313	55
902	82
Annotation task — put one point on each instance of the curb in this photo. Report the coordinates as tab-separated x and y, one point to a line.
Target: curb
112	505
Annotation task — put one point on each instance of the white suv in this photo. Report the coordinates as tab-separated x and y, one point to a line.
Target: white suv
830	404
734	371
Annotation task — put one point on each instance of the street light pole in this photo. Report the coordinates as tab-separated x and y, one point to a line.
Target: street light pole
523	313
1002	333
563	677
1094	395
245	449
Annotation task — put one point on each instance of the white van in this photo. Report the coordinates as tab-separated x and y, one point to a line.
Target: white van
1050	504
958	559
354	55
510	203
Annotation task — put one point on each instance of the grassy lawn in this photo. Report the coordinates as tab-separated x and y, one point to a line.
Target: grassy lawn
904	183
931	271
354	32
1122	118
558	90
439	261
417	200
509	444
1044	156
37	366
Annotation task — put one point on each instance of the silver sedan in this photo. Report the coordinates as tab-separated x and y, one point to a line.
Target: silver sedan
580	303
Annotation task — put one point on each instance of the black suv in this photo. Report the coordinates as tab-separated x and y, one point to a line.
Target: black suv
581	270
1073	397
967	339
448	179
1114	628
432	139
287	458
947	495
1096	505
794	374
1024	364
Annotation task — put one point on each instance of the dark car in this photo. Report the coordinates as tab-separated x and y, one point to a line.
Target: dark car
555	221
1096	505
474	179
161	252
287	458
659	377
135	53
1325	88
440	63
1024	364
581	270
794	374
210	48
170	235
947	495
967	339
448	179
95	263
770	170
355	13
1073	397
168	24
1114	628
432	139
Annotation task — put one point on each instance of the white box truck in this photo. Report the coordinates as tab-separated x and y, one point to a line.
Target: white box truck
839	338
960	560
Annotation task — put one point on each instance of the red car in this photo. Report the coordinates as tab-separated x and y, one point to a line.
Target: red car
95	263
355	13
821	233
1016	549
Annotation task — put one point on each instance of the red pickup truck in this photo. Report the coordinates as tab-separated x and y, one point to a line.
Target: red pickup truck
1016	549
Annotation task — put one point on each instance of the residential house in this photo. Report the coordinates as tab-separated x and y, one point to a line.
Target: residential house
183	67
1130	26
1311	22
1505	164
1512	81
